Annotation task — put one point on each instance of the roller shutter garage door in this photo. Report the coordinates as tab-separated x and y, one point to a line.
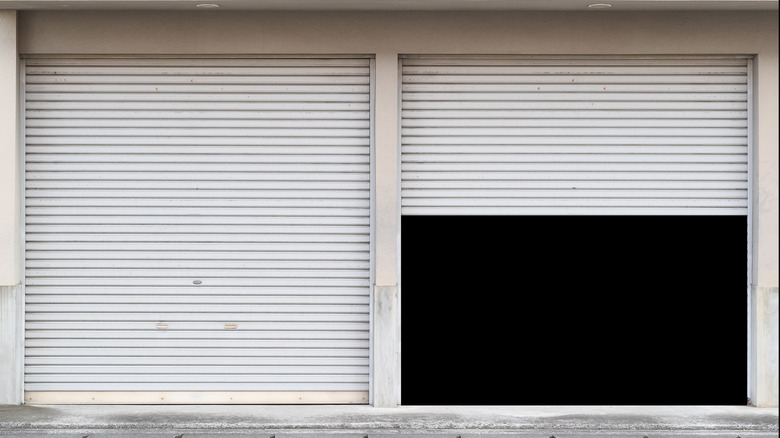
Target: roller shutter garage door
587	136
197	230
590	215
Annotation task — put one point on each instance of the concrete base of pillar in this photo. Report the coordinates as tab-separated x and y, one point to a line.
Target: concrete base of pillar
386	371
765	341
11	344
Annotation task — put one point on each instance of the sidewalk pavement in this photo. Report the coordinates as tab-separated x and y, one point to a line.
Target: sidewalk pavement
350	421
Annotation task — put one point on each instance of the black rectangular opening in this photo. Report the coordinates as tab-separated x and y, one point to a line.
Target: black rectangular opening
574	310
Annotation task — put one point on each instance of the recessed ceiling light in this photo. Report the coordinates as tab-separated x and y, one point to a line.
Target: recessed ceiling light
207	6
600	6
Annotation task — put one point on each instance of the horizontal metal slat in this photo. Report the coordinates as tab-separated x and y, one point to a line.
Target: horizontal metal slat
574	97
65	274
154	216
195	258
186	115
198	63
197	237
199	97
567	104
571	60
524	85
196	80
197	378
94	184
63	105
172	318
249	336
571	211
282	247
191	177
338	304
199	88
311	153
476	155
577	194
498	184
166	141
578	132
192	123
446	115
568	202
578	167
158	387
216	297
575	140
223	133
197	71
215	160
489	77
176	263
187	369
207	281
340	168
555	150
188	289
218	196
195	361
577	176
627	121
646	69
199	343
289	328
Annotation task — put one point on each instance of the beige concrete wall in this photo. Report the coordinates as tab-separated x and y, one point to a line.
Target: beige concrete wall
388	34
589	32
765	207
10	234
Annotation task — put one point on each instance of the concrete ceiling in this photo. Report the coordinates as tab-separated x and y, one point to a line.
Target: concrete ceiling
393	5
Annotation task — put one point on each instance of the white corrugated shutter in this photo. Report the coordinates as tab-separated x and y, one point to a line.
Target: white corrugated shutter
197	230
574	136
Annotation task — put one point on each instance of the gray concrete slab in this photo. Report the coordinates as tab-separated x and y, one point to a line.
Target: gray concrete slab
256	434
311	421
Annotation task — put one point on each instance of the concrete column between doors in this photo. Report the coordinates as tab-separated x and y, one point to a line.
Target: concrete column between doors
11	296
763	385
386	386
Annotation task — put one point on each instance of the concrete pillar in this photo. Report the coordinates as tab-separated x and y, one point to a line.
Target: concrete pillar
386	305
763	385
11	296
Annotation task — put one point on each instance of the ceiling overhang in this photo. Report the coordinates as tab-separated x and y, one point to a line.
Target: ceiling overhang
394	5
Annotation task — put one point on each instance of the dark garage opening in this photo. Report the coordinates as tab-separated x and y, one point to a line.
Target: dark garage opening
574	310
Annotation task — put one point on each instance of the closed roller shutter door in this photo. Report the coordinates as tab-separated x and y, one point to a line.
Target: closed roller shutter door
197	230
574	136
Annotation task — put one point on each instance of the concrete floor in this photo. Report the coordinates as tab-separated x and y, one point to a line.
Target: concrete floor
198	421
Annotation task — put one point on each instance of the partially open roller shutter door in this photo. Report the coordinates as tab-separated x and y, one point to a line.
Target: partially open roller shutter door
579	136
